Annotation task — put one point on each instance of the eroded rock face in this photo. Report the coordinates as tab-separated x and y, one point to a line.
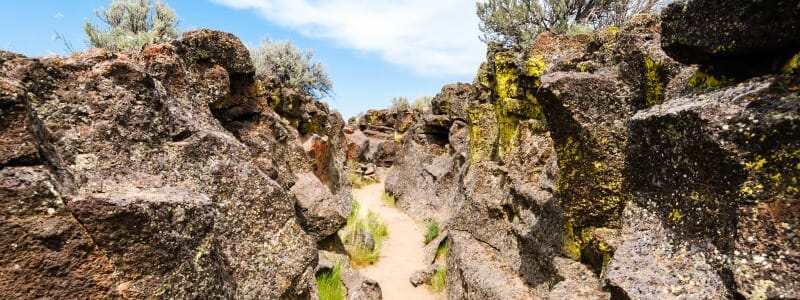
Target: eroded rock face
718	33
596	166
376	137
165	175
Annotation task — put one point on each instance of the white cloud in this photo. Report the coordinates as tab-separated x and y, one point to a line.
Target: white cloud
431	37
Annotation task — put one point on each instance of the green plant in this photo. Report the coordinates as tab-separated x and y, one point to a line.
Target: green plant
432	230
441	250
422	102
132	24
329	283
388	198
400	103
517	23
438	279
358	182
283	61
372	223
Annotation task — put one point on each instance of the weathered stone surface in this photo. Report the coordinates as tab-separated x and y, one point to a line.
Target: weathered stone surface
17	146
45	252
477	271
321	214
424	276
646	264
360	287
726	186
743	33
219	48
452	100
425	177
163	175
579	282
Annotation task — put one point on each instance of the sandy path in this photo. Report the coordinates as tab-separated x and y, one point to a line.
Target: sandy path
402	253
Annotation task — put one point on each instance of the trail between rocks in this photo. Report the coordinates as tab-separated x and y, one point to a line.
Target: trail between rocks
402	253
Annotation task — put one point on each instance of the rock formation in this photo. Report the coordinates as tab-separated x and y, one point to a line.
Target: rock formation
597	166
173	174
375	137
657	160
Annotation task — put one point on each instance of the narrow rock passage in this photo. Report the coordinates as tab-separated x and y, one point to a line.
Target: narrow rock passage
402	253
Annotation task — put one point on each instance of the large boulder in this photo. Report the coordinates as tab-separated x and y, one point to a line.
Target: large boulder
749	35
724	189
164	175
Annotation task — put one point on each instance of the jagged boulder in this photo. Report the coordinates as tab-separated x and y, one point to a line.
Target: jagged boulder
725	190
752	35
160	175
452	100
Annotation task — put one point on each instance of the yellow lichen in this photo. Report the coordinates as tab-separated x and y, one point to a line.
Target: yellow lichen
793	65
570	245
675	215
535	66
481	135
654	85
694	196
702	79
505	76
756	165
613	30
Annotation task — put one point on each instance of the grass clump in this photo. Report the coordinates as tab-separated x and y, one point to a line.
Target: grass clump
388	199
441	250
360	255
329	284
358	182
438	279
432	230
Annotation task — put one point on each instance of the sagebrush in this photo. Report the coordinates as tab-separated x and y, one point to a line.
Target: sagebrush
294	68
131	25
422	102
400	103
517	23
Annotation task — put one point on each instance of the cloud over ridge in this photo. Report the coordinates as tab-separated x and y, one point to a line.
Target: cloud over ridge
437	37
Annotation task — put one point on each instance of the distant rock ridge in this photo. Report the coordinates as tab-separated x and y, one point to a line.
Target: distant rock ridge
175	174
597	166
376	136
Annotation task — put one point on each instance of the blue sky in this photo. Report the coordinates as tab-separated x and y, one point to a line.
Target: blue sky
374	49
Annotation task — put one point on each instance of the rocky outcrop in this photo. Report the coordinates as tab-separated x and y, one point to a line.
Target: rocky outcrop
429	167
596	166
375	137
725	34
165	175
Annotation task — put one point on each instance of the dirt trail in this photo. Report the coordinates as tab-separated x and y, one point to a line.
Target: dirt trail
402	253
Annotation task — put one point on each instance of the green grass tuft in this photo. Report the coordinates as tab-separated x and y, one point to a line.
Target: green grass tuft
441	250
372	223
438	280
388	199
358	182
329	284
432	232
